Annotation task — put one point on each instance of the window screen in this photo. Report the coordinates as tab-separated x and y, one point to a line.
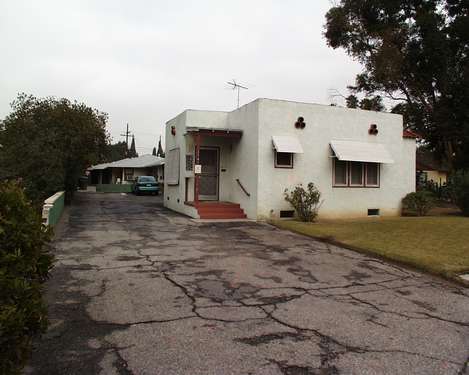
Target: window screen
356	173
372	174
284	159
340	173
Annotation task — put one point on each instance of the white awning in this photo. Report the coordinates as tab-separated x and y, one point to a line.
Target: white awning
287	143
361	151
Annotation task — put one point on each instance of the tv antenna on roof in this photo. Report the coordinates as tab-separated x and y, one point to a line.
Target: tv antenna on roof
237	86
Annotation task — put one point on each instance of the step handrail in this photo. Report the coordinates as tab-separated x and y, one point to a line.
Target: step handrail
242	187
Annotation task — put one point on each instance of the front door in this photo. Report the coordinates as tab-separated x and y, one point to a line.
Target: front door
208	187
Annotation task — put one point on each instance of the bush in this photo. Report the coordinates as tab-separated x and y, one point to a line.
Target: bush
419	202
305	202
24	265
459	188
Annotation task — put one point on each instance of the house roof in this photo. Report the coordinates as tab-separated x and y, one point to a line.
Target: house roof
144	161
410	134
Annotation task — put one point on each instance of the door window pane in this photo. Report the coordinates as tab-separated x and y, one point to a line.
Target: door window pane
340	173
356	173
372	174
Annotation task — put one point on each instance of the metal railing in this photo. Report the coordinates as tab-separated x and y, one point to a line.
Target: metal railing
242	187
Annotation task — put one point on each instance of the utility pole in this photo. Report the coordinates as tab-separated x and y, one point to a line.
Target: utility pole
237	86
127	135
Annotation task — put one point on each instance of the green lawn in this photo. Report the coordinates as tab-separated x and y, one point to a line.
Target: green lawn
436	244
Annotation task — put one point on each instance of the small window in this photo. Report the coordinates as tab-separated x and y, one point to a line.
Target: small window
372	174
373	212
356	173
283	160
129	174
340	173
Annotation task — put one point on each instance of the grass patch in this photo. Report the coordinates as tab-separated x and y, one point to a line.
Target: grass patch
439	245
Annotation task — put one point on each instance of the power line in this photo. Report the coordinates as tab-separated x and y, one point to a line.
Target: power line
127	135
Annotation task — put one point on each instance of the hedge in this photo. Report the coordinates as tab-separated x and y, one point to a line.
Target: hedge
25	262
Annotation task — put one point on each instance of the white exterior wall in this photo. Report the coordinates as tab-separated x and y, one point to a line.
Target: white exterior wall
244	159
323	124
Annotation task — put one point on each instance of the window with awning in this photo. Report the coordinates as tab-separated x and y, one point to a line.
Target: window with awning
285	147
357	164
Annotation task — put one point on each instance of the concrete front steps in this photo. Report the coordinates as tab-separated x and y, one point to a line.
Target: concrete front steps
219	210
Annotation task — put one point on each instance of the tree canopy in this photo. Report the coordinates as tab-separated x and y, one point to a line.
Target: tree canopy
49	142
115	151
415	52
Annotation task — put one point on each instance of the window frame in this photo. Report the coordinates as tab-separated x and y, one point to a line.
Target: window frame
283	166
349	184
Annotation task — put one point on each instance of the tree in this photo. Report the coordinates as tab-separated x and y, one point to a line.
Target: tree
154	151
132	151
49	142
116	151
374	103
160	151
415	52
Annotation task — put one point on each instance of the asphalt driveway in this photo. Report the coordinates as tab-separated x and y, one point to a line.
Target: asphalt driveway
138	289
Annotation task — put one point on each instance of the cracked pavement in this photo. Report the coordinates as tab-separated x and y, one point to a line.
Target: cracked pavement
138	289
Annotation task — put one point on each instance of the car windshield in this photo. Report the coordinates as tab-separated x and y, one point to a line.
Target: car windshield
146	179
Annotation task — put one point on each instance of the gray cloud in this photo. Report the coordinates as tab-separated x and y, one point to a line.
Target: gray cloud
145	61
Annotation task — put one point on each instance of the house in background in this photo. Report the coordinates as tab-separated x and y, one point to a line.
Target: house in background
430	170
126	170
239	163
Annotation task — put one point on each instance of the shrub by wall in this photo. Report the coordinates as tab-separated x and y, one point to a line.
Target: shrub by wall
25	262
306	202
419	203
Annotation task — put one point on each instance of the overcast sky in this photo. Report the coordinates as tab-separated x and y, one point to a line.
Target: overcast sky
144	61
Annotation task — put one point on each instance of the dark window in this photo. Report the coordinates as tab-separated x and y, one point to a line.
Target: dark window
373	212
283	160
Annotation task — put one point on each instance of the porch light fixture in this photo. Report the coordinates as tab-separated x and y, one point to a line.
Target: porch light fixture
373	130
300	123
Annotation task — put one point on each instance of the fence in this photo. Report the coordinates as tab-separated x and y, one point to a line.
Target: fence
53	208
114	188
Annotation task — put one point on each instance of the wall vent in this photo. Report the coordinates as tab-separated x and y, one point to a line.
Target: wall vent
287	213
373	212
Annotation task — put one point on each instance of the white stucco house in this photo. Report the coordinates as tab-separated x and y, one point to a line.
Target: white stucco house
239	163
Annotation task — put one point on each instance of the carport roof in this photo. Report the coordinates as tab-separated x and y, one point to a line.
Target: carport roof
144	161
